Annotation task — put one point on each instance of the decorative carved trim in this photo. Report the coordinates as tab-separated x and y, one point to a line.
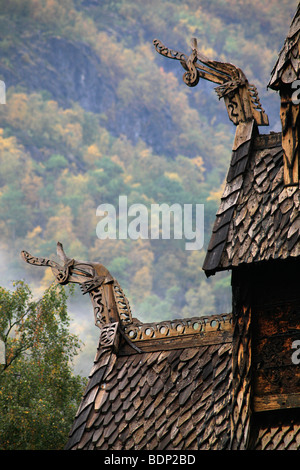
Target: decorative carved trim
241	98
92	284
108	299
108	336
122	303
99	312
175	328
290	121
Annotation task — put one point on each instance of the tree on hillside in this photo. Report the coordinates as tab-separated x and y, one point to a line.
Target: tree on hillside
39	394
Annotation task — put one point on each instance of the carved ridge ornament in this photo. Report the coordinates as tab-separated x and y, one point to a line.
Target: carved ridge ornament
241	98
108	335
109	301
182	327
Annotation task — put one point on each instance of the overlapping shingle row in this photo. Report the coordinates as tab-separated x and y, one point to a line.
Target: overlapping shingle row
287	67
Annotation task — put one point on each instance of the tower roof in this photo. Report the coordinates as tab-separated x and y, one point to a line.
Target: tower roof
287	67
258	218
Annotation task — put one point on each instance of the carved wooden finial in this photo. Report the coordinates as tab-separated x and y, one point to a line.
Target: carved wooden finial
285	78
109	301
241	98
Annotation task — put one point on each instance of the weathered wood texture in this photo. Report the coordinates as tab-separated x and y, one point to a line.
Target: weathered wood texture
287	67
266	321
260	220
242	383
241	98
234	181
180	333
276	325
164	399
283	78
290	120
108	299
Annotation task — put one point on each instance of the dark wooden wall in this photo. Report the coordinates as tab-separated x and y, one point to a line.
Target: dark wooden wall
266	322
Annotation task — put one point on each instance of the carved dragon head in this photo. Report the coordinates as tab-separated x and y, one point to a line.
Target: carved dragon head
78	272
240	97
111	307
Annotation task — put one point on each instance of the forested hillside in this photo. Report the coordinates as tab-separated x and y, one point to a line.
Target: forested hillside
93	112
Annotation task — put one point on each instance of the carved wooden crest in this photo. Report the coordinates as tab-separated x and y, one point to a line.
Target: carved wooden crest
241	98
108	299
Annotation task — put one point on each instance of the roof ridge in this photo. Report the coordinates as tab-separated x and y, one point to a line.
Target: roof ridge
202	329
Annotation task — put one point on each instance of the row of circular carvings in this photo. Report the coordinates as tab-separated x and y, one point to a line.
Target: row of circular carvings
171	328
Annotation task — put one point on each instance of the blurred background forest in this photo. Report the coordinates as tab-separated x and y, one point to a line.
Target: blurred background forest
93	112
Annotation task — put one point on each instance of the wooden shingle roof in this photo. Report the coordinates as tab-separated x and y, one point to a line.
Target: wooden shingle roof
258	218
174	394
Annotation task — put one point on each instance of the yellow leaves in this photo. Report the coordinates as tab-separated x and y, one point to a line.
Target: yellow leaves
145	153
36	231
45	282
30	184
127	178
60	226
11	162
215	195
73	184
72	134
208	52
93	154
8	143
198	161
173	176
117	161
142	284
17	108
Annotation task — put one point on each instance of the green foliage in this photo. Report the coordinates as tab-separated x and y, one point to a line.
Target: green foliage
39	394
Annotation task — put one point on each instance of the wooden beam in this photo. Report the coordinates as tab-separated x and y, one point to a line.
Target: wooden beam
276	402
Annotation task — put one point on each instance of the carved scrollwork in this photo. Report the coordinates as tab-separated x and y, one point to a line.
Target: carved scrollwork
63	276
38	261
191	76
108	299
91	284
99	314
170	53
61	273
241	99
108	335
122	304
